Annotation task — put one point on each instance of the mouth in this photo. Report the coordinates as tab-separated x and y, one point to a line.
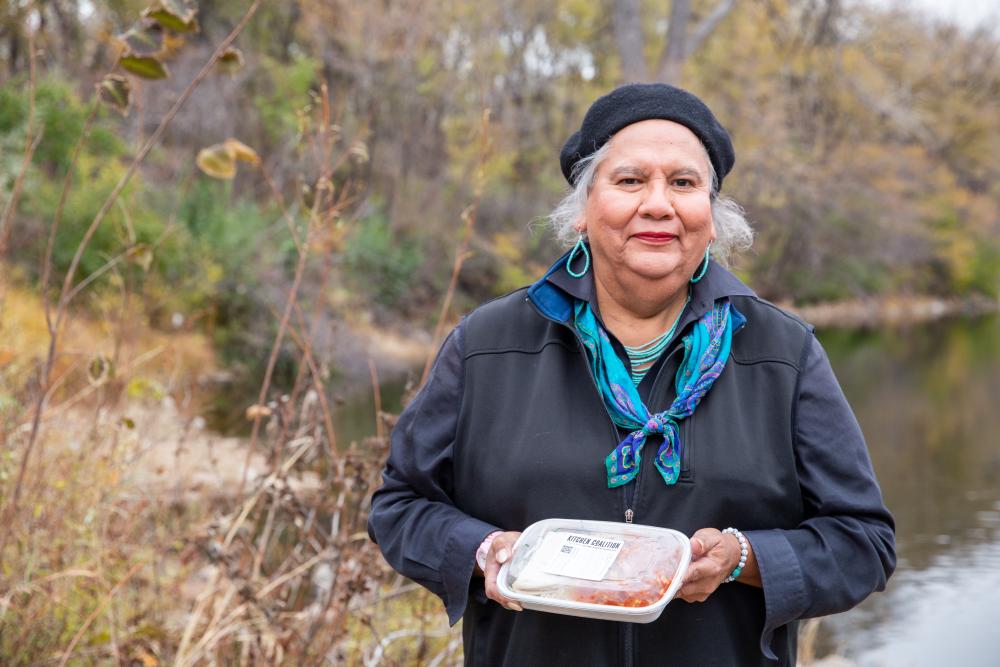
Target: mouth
655	238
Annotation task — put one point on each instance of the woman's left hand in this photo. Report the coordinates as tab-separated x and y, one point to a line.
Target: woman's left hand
714	555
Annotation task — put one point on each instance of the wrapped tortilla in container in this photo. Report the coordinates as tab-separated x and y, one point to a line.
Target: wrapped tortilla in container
596	569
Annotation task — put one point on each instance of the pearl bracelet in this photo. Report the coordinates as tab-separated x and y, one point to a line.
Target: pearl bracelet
744	549
484	549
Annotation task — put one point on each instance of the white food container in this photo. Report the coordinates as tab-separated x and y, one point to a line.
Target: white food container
596	569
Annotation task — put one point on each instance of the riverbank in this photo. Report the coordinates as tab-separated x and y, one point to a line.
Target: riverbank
892	311
397	352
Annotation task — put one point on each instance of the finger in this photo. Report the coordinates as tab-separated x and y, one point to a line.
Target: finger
492	590
503	546
694	597
701	580
703	541
499	553
697	591
702	569
697	548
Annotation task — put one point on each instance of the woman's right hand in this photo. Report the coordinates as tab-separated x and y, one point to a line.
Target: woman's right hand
500	551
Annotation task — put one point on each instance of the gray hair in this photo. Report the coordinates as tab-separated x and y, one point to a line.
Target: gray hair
733	233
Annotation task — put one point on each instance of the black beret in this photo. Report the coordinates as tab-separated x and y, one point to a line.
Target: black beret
645	101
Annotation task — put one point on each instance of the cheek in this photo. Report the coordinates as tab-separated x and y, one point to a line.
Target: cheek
697	216
608	212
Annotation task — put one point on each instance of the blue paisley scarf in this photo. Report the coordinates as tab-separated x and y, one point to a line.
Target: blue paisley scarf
706	350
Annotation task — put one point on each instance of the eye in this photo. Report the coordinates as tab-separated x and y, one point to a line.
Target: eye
628	180
684	182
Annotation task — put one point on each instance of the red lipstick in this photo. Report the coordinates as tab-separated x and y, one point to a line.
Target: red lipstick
655	237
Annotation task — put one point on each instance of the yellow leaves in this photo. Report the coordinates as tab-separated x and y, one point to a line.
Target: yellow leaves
219	160
243	152
143	388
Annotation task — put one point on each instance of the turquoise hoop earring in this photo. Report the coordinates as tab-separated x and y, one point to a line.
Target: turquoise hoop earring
704	267
579	247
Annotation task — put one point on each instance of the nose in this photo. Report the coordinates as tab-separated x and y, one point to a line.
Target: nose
656	203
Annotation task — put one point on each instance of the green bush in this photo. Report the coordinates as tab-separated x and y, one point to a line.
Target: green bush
381	261
281	92
60	115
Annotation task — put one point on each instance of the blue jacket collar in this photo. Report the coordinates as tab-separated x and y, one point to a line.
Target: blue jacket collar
556	291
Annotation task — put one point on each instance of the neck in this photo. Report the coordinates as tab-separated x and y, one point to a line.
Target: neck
639	310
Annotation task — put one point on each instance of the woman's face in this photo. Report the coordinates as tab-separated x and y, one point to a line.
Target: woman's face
649	211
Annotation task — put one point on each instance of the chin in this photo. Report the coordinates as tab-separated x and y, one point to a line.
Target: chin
654	268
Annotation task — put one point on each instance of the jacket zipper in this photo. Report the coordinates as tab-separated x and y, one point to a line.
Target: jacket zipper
627	498
629	628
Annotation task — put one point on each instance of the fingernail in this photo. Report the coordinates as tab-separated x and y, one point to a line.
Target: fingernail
699	543
513	606
502	556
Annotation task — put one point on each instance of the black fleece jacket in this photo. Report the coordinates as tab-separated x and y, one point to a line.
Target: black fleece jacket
510	429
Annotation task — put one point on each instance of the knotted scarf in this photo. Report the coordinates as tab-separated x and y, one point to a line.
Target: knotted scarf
706	350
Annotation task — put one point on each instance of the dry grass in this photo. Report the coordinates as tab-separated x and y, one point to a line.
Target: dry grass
130	546
132	536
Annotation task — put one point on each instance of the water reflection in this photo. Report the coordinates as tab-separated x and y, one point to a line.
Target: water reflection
354	414
926	398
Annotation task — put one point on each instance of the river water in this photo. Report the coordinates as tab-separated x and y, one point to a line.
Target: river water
928	399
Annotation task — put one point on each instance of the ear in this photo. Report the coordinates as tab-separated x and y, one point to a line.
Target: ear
580	226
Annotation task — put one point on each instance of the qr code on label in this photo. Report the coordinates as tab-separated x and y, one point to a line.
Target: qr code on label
567	549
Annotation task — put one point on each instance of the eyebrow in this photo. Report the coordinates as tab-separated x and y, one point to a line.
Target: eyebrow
632	169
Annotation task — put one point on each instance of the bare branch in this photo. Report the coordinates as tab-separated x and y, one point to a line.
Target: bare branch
680	45
708	25
627	21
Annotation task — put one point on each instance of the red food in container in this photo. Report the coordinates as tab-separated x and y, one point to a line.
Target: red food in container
596	569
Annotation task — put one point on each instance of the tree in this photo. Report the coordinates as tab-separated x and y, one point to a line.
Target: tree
681	40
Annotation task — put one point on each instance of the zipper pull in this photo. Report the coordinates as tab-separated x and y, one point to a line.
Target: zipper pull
629	514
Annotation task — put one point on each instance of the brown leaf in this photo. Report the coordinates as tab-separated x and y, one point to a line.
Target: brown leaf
231	61
115	91
145	38
174	15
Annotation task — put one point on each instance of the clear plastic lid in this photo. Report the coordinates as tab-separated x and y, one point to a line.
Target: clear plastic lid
596	564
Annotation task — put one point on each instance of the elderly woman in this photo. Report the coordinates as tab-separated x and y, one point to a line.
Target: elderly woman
639	380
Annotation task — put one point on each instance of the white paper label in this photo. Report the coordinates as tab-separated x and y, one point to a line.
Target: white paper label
579	556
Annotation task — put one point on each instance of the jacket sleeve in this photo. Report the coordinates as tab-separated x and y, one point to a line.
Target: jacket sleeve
845	549
413	518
